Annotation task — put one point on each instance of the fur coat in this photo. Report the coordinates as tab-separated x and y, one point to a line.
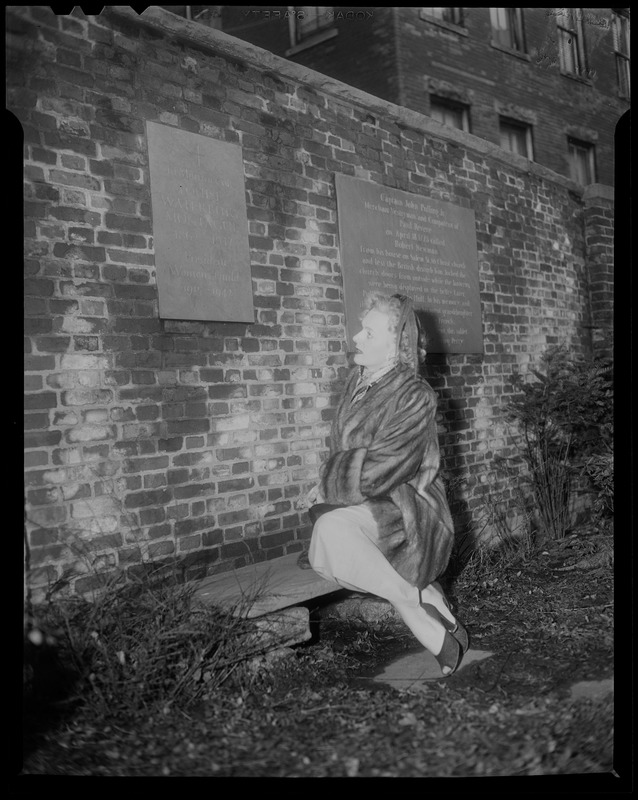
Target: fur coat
384	452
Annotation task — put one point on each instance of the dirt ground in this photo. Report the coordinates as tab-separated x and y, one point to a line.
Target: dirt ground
547	618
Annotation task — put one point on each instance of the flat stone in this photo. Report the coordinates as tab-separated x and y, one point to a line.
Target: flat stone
261	588
279	629
414	670
594	690
361	607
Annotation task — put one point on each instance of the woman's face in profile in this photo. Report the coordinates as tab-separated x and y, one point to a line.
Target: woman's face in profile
375	343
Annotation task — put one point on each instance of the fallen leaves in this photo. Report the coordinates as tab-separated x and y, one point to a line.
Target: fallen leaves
307	717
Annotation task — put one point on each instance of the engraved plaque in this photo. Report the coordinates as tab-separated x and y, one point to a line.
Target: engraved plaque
393	241
200	227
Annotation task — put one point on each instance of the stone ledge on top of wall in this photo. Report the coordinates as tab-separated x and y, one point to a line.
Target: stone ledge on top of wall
238	50
599	190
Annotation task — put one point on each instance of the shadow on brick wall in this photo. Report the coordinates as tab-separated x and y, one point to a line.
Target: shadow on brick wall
437	371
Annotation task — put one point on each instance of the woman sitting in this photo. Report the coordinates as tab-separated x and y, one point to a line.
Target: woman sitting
382	524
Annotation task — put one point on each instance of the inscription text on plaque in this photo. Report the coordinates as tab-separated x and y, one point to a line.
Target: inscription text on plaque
394	241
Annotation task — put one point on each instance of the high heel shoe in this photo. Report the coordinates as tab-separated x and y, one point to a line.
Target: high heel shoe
450	656
437	587
457	629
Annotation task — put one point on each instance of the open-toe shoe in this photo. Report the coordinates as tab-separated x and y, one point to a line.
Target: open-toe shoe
457	629
450	656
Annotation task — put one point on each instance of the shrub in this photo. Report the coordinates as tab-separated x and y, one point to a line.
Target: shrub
143	645
565	419
600	470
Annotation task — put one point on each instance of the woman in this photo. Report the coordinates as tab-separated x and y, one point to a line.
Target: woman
381	520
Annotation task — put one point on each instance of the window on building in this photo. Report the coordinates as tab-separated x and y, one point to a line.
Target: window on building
449	112
620	28
572	56
310	20
452	15
582	168
516	137
507	28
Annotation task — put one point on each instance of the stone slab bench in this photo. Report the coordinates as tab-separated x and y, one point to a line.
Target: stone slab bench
271	593
264	587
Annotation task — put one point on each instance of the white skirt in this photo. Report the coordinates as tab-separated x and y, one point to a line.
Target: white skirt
344	548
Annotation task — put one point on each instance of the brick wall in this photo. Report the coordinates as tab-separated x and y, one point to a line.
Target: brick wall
404	56
599	241
151	439
528	87
363	52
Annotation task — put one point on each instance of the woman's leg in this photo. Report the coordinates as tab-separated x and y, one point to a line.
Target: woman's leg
431	594
343	549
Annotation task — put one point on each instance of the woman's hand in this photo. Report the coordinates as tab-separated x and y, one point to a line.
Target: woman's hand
314	496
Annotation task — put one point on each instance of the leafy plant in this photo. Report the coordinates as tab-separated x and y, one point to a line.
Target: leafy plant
600	470
499	529
565	421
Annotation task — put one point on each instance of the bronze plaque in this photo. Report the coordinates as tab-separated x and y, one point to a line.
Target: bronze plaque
393	241
200	227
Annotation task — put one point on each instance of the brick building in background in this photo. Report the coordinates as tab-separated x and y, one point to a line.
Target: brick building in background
149	438
548	84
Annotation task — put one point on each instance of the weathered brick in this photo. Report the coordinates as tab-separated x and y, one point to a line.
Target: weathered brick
201	423
39	287
52	344
43	400
158	549
190	526
34	326
148	498
124	223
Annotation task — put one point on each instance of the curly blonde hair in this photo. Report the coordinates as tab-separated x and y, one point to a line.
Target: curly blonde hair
392	307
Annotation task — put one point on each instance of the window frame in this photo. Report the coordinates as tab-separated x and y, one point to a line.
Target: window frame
317	29
519	125
621	36
319	34
451	105
589	150
573	28
211	16
426	13
515	29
